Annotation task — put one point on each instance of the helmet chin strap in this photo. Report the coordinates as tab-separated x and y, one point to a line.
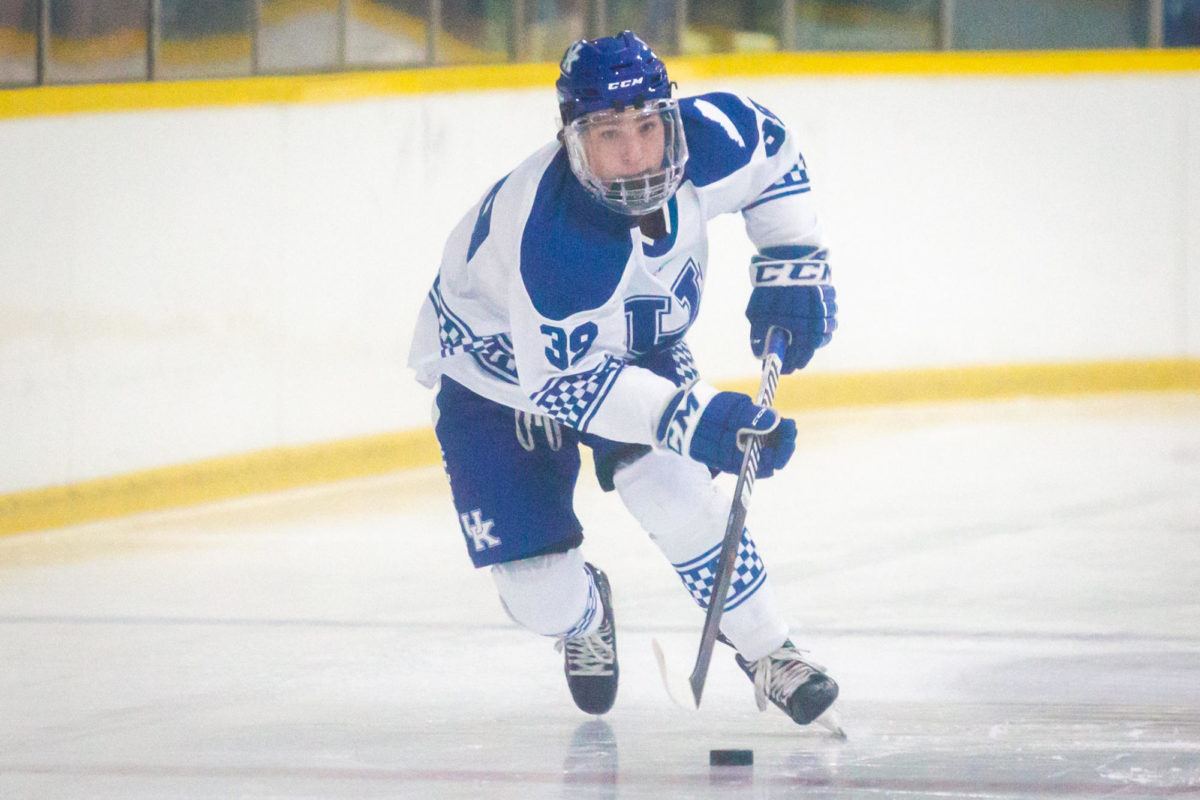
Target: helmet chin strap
654	224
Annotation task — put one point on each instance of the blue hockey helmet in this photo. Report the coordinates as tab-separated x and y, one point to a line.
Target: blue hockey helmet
612	72
622	129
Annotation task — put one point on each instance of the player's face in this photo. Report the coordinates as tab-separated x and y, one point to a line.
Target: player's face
625	145
632	161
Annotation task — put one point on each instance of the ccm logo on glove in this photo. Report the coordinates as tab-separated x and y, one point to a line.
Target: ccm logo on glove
712	428
769	272
682	421
792	291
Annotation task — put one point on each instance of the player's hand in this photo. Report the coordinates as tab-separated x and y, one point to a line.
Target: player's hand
713	428
792	291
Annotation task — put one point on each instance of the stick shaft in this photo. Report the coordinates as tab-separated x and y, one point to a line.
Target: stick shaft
777	341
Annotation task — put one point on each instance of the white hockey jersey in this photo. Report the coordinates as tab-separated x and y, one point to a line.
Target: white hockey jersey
545	299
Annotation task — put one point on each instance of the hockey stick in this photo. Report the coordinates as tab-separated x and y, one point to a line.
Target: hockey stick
776	346
678	687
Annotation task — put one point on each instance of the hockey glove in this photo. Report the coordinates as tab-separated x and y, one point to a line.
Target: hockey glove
792	290
713	428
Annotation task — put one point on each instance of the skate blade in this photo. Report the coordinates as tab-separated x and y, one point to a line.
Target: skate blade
831	721
679	689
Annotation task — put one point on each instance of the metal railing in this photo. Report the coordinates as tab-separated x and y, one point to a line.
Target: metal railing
430	30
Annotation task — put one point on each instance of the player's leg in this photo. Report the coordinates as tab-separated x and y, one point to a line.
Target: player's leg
512	477
562	596
685	513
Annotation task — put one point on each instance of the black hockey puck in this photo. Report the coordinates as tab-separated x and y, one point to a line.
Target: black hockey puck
730	758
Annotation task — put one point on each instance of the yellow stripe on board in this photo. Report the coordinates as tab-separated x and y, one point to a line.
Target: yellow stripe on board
215	479
934	385
296	89
290	467
342	87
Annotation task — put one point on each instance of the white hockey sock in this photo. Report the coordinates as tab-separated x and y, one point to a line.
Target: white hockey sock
676	502
553	595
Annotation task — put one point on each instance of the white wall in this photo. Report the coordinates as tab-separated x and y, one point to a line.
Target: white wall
182	284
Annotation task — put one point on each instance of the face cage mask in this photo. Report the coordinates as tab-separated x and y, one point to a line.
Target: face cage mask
639	194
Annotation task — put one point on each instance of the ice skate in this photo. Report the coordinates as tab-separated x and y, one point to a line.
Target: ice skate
801	689
590	662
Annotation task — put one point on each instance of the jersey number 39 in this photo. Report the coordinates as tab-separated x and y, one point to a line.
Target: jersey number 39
566	349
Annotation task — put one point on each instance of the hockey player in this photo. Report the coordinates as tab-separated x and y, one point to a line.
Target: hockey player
558	318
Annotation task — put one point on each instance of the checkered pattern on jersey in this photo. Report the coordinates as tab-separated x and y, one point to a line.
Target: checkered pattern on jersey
493	354
794	181
673	362
574	399
700	574
685	365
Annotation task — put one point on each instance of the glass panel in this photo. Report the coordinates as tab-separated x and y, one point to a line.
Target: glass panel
206	39
298	36
1049	24
387	32
1181	23
653	20
552	26
476	32
869	24
719	26
97	40
18	41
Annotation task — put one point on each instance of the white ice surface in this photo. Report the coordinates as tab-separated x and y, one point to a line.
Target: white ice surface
1006	592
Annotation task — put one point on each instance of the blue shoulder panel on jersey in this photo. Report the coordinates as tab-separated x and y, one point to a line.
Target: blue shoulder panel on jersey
573	249
483	223
722	133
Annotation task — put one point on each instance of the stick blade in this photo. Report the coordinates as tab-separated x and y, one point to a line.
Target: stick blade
678	687
696	683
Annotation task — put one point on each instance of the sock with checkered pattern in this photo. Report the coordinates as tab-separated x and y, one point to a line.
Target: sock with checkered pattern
675	501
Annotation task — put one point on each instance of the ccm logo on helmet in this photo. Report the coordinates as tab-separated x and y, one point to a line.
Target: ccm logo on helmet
625	84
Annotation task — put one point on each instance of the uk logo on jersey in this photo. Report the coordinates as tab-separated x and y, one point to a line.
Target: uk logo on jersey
478	529
646	315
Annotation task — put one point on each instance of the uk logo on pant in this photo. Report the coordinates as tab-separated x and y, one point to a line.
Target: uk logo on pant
478	529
